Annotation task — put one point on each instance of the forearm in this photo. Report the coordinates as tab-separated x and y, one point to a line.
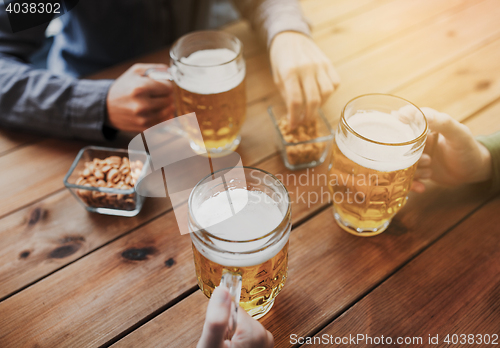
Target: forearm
492	143
271	17
55	105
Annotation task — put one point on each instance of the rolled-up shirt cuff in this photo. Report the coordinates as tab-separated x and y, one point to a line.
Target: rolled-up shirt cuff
299	26
275	16
86	109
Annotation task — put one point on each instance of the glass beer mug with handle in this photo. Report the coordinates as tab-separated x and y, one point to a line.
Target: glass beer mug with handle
377	144
208	70
239	232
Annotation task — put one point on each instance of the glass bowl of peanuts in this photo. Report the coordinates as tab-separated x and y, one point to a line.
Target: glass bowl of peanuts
103	180
306	146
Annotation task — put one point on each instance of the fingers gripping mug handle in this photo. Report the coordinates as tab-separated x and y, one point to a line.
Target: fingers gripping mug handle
233	282
162	74
159	74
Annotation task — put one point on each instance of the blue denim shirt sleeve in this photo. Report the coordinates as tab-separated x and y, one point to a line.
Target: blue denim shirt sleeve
43	102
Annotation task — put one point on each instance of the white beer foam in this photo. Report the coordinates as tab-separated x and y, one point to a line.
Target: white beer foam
258	215
381	127
206	76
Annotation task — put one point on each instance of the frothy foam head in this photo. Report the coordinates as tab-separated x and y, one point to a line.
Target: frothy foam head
209	57
383	128
257	215
210	71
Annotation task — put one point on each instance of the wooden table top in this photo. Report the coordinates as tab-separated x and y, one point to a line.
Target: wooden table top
435	271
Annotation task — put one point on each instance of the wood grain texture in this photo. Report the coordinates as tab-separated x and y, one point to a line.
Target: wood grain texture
48	235
112	291
322	13
388	20
462	87
10	140
452	288
487	121
103	276
406	62
89	302
405	59
34	172
183	331
329	269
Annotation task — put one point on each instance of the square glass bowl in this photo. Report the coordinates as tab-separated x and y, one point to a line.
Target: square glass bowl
105	200
302	154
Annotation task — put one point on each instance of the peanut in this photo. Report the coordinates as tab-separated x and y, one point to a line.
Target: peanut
98	174
113	175
111	172
302	153
106	168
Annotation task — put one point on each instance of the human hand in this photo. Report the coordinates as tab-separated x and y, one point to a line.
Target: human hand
303	73
249	332
136	102
451	156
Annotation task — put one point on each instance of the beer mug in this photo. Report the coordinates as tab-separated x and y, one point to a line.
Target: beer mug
239	232
208	70
377	144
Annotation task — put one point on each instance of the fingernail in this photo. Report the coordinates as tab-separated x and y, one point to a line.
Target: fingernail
220	294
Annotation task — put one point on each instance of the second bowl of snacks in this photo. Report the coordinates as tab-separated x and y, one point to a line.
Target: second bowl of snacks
305	146
103	180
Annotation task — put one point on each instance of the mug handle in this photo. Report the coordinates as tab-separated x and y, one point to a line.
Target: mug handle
233	282
162	74
159	74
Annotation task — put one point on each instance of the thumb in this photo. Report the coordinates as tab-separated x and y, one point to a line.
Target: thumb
443	123
217	319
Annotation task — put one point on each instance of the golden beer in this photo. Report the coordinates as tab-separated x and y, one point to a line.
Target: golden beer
209	70
246	236
220	115
260	283
375	152
370	198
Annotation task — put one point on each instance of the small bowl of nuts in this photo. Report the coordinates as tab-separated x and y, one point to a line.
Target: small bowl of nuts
103	180
306	146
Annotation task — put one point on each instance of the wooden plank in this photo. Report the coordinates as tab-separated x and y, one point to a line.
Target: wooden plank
403	60
487	121
259	80
360	24
450	35
452	288
394	19
461	88
42	166
10	140
184	330
321	13
329	269
370	72
406	62
98	294
34	172
37	170
20	272
105	272
50	234
192	309
253	149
